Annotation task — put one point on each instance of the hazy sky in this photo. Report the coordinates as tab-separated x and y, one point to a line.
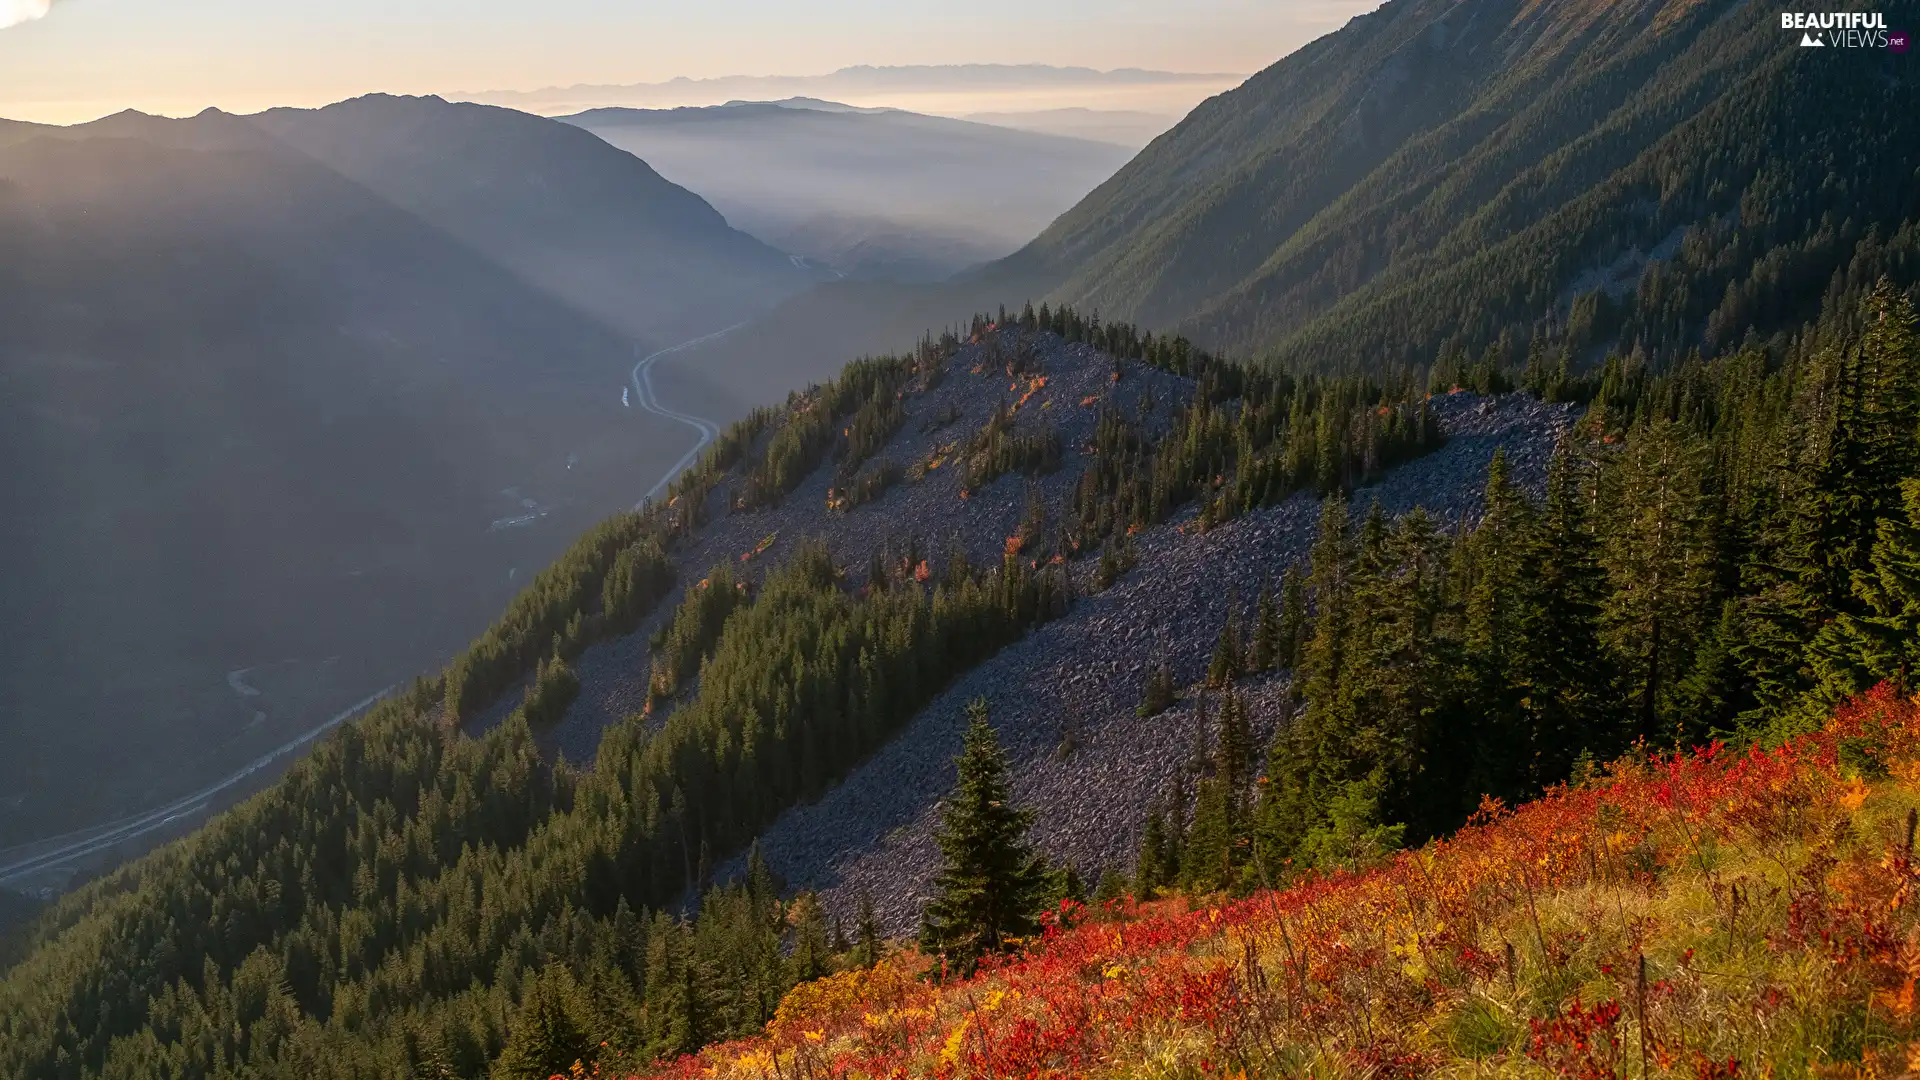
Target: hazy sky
80	59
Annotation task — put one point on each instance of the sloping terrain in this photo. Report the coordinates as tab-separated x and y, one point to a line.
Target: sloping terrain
1084	671
273	443
595	227
878	194
1436	173
1031	510
1021	401
1708	914
1077	681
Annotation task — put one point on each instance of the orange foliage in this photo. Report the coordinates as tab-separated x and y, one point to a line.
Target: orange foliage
759	549
1361	968
1035	384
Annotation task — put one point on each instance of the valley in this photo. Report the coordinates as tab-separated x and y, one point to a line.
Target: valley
1410	567
336	491
872	194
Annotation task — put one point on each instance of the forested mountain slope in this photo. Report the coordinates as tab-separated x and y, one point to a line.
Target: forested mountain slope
1215	661
1722	549
764	722
1439	175
272	442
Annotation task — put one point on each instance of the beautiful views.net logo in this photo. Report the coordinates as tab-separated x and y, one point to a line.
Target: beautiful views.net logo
1844	29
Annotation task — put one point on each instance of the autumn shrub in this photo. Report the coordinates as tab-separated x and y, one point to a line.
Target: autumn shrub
1714	913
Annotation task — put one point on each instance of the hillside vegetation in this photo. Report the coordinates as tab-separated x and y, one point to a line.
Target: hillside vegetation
1729	546
388	907
1436	176
1712	913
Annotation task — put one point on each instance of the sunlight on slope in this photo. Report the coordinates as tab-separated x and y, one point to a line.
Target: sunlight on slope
1707	914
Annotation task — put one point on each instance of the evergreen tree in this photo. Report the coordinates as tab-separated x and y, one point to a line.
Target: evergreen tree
1228	661
1658	559
1308	752
547	1036
812	955
1151	871
1503	616
1208	859
1064	883
991	885
1352	832
675	1014
867	949
1160	692
1855	418
1883	642
1570	682
1293	628
1266	630
1715	689
1112	886
1233	748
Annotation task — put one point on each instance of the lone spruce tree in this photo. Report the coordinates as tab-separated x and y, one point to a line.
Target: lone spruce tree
991	885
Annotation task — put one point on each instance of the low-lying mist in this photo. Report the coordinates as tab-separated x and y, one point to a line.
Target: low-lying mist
869	194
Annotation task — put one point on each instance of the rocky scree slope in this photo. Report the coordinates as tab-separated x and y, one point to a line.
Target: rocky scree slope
1082	673
1073	381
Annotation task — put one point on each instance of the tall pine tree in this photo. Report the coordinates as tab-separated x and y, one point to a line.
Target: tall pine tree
991	885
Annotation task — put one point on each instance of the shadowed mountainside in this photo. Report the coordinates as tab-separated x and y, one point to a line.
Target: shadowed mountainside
586	222
276	441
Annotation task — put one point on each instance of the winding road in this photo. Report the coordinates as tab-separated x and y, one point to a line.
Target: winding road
24	861
643	390
86	842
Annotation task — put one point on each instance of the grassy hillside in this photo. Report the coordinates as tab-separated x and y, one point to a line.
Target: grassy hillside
1703	914
1440	176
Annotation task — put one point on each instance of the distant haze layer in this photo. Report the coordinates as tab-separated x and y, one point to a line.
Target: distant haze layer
867	193
949	90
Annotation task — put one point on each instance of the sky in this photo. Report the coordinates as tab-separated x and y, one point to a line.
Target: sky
74	60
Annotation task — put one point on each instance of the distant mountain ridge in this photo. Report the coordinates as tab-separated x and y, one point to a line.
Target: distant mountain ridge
870	77
582	219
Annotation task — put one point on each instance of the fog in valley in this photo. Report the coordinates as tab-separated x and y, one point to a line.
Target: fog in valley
293	404
867	193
